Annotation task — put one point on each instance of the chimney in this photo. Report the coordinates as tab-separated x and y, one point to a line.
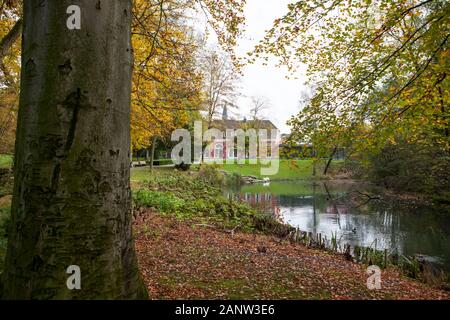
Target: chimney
225	112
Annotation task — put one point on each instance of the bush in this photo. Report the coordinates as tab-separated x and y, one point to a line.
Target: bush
270	225
6	182
410	167
211	174
233	180
5	220
164	202
194	197
183	167
161	162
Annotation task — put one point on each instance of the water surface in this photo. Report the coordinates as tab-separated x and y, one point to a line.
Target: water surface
342	209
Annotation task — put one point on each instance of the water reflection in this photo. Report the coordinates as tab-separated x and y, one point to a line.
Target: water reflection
328	209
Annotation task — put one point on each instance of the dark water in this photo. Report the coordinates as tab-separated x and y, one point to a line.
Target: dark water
341	209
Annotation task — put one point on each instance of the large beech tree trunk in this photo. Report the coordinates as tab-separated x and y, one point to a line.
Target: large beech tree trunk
71	203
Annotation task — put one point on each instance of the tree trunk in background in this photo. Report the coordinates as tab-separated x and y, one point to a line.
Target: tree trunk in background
152	154
8	40
314	162
71	203
327	167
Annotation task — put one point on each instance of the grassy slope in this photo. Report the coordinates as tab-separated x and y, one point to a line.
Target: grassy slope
190	197
280	188
139	175
288	170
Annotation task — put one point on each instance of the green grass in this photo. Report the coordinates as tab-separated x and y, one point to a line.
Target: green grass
140	175
297	188
288	170
292	188
163	201
6	161
193	197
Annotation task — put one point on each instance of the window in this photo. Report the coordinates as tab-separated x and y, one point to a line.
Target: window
218	152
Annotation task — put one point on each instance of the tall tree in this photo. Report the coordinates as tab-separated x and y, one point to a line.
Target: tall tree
159	43
10	25
10	30
220	78
381	65
259	105
166	79
71	203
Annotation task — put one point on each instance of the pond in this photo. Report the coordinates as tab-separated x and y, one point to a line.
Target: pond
344	209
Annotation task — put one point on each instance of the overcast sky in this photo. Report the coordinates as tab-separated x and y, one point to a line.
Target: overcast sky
268	81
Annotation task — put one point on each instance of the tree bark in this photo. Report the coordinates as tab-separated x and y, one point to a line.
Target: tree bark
131	155
10	38
152	154
314	162
327	167
71	202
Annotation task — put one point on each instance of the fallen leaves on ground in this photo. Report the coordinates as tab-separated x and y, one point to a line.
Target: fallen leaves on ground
181	260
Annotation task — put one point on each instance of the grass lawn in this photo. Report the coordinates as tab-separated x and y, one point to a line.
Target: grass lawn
6	161
139	175
288	170
284	188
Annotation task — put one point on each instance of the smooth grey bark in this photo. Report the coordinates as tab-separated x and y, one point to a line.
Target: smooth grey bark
71	203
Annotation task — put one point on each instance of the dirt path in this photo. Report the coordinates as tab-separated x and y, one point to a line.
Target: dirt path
183	261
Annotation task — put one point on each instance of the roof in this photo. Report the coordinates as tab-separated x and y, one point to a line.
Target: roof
243	124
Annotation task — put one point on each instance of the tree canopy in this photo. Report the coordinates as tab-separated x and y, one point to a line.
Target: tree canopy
378	67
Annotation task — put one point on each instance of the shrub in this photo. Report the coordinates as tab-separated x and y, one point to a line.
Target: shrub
6	182
233	180
164	202
5	220
410	167
270	225
194	197
183	167
210	174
